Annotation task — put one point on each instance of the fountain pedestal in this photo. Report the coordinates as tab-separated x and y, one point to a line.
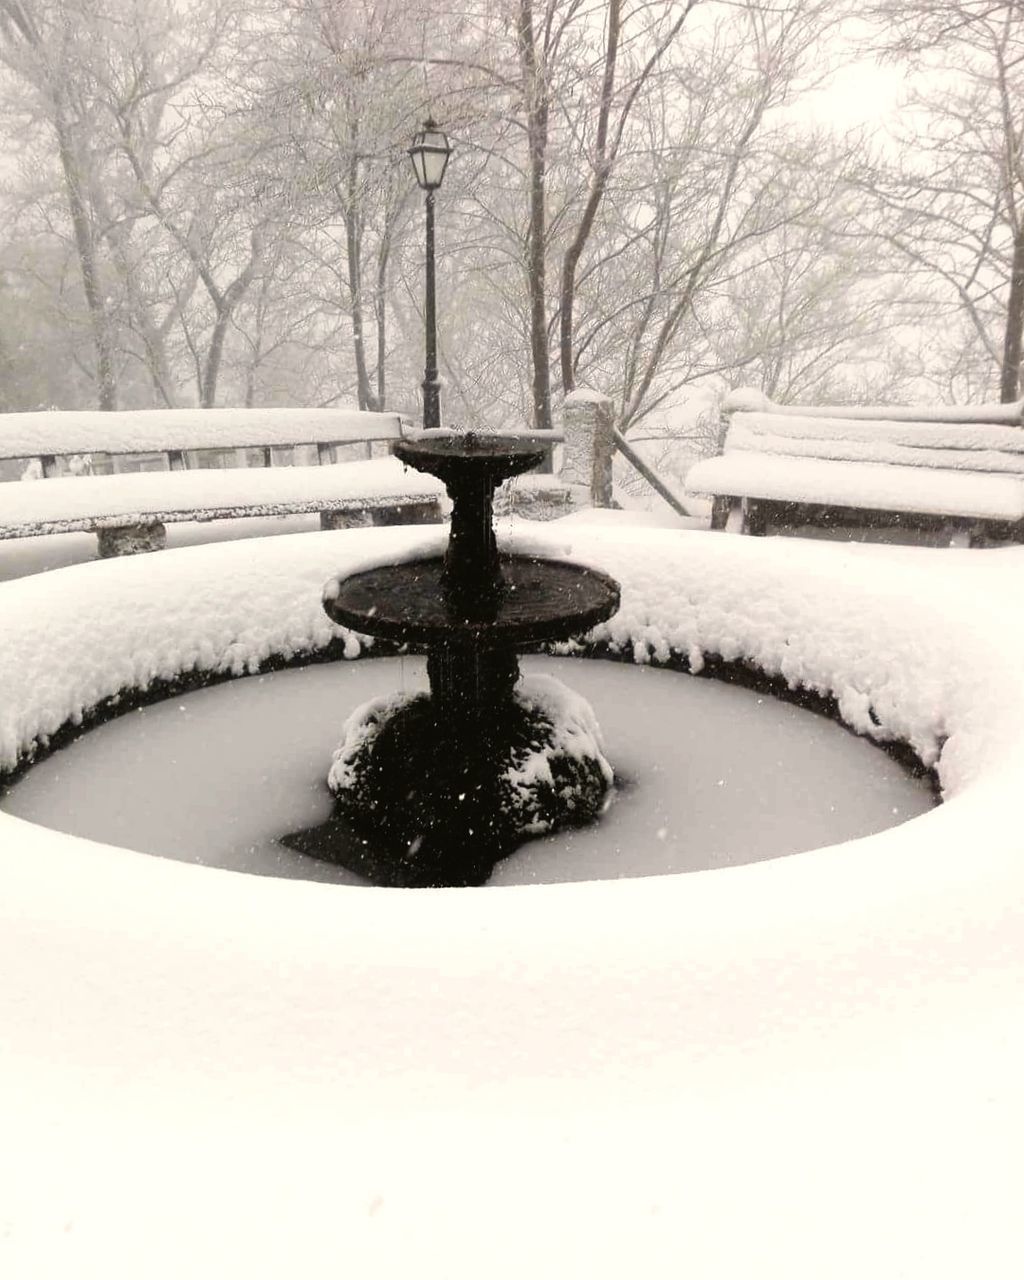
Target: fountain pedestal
434	789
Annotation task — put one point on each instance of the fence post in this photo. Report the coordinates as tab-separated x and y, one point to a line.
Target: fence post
588	424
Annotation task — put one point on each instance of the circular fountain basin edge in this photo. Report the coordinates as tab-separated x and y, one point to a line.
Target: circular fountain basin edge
713	667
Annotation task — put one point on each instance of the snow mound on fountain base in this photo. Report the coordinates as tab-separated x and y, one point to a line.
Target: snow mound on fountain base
470	795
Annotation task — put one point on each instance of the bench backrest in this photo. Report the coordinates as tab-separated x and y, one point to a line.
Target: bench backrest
750	400
973	446
977	438
177	431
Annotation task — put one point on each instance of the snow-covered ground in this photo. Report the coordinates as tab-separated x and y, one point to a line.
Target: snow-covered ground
802	1068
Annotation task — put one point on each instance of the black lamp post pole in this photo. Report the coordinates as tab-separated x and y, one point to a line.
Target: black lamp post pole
431	385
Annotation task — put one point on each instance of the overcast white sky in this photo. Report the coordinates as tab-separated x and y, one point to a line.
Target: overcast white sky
863	93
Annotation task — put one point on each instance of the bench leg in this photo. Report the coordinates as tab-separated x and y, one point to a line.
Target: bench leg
346	518
719	512
530	503
958	535
131	539
428	512
736	520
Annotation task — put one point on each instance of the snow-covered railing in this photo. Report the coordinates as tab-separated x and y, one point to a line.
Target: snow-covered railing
591	439
955	470
128	511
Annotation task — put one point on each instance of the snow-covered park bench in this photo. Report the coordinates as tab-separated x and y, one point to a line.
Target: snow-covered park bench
129	510
952	471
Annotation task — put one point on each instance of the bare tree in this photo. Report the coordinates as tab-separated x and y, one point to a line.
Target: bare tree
337	115
39	45
187	168
954	200
620	90
150	172
712	176
628	205
636	157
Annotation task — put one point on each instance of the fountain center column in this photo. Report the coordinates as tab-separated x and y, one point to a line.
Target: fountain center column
472	582
470	684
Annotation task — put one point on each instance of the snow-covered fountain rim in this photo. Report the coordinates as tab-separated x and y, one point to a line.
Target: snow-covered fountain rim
739	673
866	629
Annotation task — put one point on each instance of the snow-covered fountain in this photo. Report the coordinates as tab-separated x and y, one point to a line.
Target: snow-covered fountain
455	771
432	789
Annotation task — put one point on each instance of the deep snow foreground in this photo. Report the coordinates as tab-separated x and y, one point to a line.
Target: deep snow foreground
808	1067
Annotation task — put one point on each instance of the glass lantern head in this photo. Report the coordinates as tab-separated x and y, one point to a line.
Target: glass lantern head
429	155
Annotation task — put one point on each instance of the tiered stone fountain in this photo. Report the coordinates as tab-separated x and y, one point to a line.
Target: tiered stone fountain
433	789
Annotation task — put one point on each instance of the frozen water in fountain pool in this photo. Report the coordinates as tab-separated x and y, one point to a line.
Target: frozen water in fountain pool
708	775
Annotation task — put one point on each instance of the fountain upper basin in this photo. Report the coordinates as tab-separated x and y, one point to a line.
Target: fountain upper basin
472	457
541	600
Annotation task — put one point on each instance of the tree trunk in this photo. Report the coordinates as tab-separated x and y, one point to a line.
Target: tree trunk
211	368
535	93
380	314
606	149
1009	388
23	22
354	254
137	308
364	393
106	378
225	304
598	183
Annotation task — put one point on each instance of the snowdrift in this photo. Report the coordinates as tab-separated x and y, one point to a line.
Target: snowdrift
798	1068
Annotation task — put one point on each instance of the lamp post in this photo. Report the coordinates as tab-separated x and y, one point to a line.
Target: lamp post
429	154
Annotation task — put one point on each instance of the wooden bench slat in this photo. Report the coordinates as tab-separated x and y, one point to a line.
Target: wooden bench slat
860	484
753	400
64	433
71	503
128	510
836	437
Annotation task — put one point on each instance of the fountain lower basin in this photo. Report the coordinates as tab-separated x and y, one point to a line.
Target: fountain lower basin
543	600
709	775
